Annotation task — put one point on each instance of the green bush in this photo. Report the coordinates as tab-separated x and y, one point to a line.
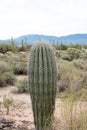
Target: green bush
13	48
63	47
6	74
20	68
74	53
20	63
11	58
83	79
23	56
68	73
22	86
4	48
9	78
6	78
4	67
66	57
79	63
8	47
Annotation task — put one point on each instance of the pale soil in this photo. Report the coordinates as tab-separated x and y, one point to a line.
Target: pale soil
21	115
21	112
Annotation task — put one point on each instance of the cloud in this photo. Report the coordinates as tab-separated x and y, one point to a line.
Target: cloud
51	17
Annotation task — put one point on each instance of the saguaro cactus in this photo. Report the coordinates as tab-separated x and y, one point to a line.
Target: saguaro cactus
42	83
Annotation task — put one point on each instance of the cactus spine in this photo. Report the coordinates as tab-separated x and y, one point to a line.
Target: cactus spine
42	83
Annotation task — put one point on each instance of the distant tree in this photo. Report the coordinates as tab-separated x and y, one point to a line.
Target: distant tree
22	44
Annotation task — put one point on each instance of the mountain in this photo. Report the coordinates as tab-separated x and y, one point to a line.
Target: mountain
33	38
74	38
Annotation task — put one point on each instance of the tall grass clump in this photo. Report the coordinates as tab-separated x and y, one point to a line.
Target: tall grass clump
74	113
70	112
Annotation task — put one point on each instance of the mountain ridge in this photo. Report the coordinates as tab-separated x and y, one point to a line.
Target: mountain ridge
33	38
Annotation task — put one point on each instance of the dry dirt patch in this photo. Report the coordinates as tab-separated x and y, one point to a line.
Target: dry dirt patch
21	115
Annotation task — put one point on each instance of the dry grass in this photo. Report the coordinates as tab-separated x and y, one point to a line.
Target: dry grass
70	114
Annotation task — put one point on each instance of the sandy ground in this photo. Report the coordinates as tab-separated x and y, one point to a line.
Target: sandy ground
21	111
20	114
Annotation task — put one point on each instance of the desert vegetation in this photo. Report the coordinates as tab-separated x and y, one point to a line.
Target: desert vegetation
70	111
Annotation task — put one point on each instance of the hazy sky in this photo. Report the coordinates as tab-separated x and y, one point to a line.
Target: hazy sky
50	17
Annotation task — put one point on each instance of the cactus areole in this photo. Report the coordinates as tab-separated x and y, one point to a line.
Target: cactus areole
42	83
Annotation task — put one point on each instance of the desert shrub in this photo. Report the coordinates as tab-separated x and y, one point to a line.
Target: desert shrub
6	78
74	53
63	47
8	47
22	86
66	57
76	46
82	82
79	63
13	47
9	78
68	73
18	62
23	56
72	78
3	48
11	58
20	68
6	74
24	47
83	55
19	57
63	53
4	67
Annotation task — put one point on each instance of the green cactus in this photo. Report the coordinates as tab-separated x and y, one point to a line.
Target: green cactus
7	102
42	83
